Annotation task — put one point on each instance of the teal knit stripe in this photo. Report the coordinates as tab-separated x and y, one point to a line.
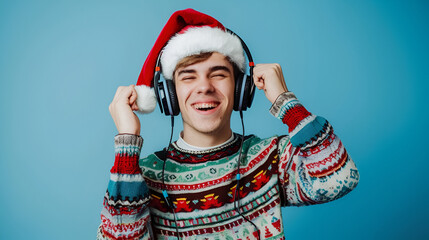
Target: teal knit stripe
309	131
284	108
130	190
127	149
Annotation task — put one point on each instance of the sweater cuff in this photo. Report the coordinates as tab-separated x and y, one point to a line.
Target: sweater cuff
289	109
127	152
128	144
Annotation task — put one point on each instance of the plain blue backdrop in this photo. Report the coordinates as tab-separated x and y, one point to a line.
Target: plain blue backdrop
363	65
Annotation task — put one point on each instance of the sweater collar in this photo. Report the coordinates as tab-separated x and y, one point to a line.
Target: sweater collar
187	156
181	143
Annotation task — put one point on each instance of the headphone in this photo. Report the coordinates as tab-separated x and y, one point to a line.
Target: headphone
244	91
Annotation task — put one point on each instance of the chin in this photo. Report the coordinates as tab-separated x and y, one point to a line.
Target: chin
207	128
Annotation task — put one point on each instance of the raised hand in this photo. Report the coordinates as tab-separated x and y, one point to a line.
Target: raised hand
121	109
269	77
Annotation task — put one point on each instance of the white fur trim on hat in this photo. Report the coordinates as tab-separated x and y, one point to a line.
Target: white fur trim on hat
146	99
198	40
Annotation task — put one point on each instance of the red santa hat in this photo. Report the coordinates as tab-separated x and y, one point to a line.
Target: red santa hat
186	33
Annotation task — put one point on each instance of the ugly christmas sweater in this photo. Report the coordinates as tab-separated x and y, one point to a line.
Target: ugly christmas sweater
308	166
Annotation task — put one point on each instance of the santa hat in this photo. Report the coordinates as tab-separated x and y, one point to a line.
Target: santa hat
186	33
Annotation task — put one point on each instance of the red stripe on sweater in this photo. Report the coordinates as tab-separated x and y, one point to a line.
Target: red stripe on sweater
295	115
316	149
134	230
335	167
119	209
125	164
230	225
324	161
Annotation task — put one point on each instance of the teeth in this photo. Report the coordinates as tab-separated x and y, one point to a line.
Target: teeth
201	106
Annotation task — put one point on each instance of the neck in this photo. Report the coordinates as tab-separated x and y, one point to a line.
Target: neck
205	139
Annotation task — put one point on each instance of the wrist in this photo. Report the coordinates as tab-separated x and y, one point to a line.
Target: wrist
129	129
276	94
129	132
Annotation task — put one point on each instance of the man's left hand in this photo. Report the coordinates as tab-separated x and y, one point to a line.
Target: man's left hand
269	77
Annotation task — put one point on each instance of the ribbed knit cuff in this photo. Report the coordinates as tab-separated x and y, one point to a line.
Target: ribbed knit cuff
289	109
127	152
128	144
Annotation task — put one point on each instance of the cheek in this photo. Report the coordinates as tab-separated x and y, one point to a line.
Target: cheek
228	91
182	94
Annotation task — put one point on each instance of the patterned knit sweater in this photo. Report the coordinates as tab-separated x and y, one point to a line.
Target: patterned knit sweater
309	166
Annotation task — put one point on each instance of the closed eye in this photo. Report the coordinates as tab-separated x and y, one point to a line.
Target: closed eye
218	75
187	78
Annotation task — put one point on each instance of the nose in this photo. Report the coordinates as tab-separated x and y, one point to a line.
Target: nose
205	85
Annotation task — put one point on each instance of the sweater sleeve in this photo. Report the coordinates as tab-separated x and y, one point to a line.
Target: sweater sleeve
314	166
125	213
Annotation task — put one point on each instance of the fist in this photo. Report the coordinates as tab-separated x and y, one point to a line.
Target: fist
269	77
121	109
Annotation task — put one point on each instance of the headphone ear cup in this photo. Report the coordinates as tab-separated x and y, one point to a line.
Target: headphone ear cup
159	92
237	92
248	94
171	91
251	91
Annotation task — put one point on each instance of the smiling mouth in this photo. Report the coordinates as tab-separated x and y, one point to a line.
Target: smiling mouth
205	106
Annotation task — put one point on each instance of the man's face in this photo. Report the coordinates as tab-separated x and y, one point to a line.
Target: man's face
205	92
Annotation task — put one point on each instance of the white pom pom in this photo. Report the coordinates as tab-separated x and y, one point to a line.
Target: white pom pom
146	99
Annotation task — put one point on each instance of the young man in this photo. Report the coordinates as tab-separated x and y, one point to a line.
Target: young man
198	188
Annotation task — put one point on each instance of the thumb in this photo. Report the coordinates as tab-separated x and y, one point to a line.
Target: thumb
259	81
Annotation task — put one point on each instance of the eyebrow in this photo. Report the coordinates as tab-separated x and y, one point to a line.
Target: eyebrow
211	69
219	68
186	71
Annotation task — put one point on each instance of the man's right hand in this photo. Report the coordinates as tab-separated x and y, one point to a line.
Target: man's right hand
121	109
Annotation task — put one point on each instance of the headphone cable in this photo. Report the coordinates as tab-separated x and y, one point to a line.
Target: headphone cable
164	190
238	176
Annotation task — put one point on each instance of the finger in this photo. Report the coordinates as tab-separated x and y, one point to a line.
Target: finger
134	107
259	85
118	91
258	76
133	97
259	72
125	94
282	78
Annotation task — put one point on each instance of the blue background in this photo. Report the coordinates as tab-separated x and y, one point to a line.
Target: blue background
363	65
